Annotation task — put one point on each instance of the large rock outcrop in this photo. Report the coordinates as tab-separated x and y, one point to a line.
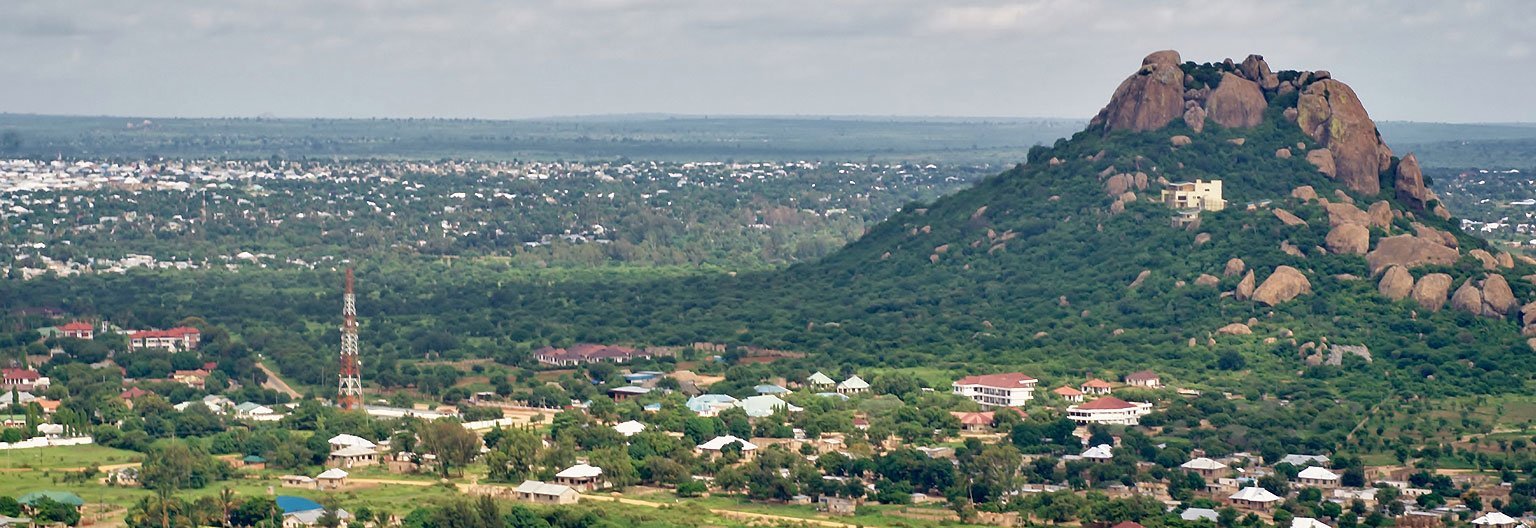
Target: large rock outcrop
1396	283
1236	103
1283	285
1431	290
1255	69
1245	287
1343	213
1409	251
1498	299
1149	98
1468	298
1380	214
1330	113
1351	239
1410	183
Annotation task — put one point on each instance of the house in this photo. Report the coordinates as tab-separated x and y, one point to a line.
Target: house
1109	410
296	481
254	462
819	381
1013	389
1099	453
331	479
352	457
645	378
581	477
19	379
716	445
836	505
309	518
1204	466
853	385
765	405
1096	387
1144	378
710	404
196	379
1318	477
1199	194
343	441
1069	394
256	412
1307	522
625	392
133	393
975	422
1345	495
179	338
769	389
630	428
1496	519
48	406
1302	461
545	493
1199	514
30	500
78	330
583	353
1254	497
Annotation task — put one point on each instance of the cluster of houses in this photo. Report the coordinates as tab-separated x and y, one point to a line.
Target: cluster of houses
584	353
1093	402
178	338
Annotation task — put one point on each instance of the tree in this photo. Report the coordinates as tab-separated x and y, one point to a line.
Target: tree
9	507
47	511
513	457
454	445
254	511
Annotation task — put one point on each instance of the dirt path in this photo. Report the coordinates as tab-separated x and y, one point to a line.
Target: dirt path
276	383
734	514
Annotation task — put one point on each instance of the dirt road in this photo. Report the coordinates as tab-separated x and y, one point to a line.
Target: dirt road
277	383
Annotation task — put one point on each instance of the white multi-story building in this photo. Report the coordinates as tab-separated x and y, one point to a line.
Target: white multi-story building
1109	410
1199	194
997	390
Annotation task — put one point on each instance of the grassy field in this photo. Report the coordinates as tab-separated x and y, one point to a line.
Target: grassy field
66	457
868	514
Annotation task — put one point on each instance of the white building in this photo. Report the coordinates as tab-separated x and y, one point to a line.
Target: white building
1496	519
1204	466
1109	410
1199	194
853	385
1013	389
1254	497
1318	477
630	428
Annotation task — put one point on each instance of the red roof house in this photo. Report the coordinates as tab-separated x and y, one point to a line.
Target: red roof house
78	330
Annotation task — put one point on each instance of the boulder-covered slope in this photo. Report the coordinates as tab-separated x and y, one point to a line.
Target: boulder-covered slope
1334	239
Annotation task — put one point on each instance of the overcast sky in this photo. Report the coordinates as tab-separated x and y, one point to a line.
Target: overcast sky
1418	60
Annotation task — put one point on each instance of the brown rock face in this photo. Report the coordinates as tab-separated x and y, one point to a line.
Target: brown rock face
1245	287
1344	213
1234	329
1194	118
1179	141
1304	193
1410	183
1396	283
1323	160
1283	153
1468	298
1352	239
1288	218
1498	299
1528	314
1380	214
1236	103
1148	99
1283	285
1118	184
1208	280
1255	69
1424	231
1234	267
1330	113
1486	258
1505	261
1409	251
1431	290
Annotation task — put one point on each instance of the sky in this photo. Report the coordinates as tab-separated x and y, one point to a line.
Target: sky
498	59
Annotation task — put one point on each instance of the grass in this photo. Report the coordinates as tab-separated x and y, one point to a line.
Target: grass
66	457
870	514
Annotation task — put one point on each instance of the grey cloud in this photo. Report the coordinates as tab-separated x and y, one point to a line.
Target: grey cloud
1419	59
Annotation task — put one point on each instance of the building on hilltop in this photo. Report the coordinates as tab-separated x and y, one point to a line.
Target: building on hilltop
1013	389
78	330
179	338
1197	195
1109	410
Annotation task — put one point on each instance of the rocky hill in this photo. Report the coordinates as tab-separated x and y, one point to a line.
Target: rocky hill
1329	242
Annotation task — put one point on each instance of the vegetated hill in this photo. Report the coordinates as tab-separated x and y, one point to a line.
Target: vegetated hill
1071	263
